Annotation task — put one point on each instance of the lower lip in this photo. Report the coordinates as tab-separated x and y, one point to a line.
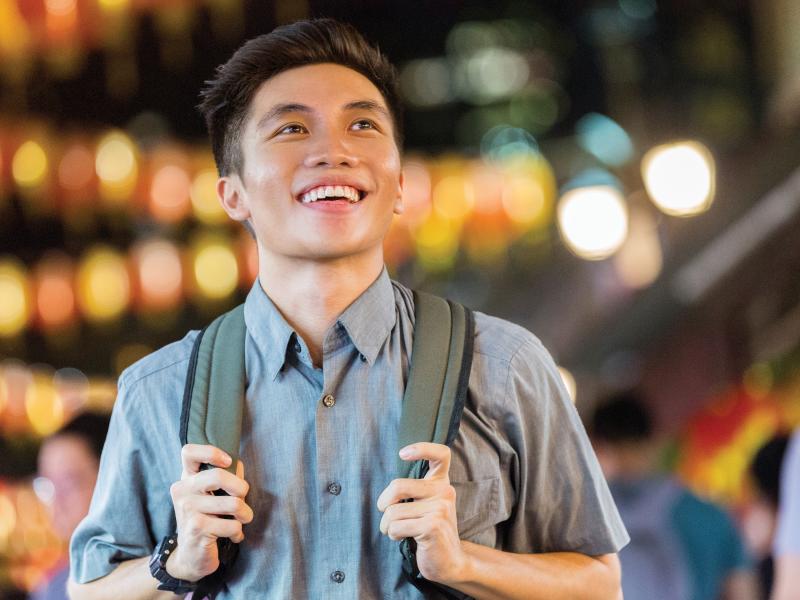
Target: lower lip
333	206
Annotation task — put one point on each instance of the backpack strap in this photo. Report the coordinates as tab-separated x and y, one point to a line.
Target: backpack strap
434	399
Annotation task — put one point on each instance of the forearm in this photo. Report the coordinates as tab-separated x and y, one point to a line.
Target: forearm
131	580
495	575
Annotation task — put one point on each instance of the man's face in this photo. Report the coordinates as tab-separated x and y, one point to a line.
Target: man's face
321	176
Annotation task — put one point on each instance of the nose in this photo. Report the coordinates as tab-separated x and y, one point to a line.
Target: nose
330	149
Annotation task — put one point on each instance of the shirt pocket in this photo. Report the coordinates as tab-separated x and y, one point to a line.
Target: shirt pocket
479	506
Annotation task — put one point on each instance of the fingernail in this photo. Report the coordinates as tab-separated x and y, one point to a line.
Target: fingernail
226	459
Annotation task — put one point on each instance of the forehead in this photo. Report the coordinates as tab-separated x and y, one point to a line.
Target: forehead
325	86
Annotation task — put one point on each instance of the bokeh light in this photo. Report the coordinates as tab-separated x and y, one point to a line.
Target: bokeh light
159	270
593	221
116	166
55	297
604	138
169	194
205	204
569	382
639	261
437	243
215	268
103	284
29	165
8	518
76	167
680	178
426	82
453	197
15	297
43	405
416	192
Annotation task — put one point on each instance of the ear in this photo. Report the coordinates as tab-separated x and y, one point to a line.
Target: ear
230	192
398	202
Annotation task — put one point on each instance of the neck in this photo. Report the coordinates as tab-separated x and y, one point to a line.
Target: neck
312	294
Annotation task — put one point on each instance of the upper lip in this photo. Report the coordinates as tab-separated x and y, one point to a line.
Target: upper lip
333	181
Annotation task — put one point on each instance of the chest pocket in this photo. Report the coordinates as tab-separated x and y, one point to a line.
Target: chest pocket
480	506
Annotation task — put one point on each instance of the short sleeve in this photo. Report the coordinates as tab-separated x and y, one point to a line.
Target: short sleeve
787	538
564	503
131	507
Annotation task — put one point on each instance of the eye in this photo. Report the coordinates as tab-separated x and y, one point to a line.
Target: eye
292	128
364	124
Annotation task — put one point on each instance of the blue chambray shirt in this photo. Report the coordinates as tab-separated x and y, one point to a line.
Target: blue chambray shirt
525	475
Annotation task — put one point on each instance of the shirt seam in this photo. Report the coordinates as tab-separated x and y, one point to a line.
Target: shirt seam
130	380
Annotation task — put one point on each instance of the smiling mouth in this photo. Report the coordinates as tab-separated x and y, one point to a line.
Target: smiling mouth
332	193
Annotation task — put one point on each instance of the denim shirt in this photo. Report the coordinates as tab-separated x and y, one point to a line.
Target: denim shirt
525	476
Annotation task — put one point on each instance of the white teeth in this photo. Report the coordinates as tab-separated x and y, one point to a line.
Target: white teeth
330	191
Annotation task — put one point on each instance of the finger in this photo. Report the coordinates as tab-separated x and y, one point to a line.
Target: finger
194	455
437	455
408	528
408	510
217	479
220	505
413	489
240	469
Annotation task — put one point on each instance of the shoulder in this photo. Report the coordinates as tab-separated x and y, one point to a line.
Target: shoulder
170	359
504	341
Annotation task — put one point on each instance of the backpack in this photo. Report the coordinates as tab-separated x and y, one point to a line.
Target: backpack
653	562
216	373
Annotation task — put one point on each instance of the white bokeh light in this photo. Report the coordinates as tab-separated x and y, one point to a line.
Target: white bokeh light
593	221
679	178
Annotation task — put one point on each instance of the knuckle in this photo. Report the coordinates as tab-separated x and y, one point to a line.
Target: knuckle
449	492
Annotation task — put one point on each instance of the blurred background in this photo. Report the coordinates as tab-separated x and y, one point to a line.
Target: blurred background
619	176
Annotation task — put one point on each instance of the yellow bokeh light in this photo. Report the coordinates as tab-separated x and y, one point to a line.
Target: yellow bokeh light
29	165
103	284
436	243
116	166
639	261
160	273
680	178
453	198
8	517
593	221
169	194
113	5
207	207
524	201
43	405
15	298
216	269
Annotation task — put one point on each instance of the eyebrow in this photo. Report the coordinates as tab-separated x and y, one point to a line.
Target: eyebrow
293	107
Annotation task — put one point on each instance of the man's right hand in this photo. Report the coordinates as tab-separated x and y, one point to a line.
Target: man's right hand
198	510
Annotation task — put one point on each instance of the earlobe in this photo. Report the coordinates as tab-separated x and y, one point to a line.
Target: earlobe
232	197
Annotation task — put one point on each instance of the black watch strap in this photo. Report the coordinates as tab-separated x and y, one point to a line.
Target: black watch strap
158	567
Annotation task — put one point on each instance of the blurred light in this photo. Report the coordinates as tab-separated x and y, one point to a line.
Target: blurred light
638	9
207	207
169	194
129	354
524	200
605	139
160	273
490	74
758	380
116	166
44	490
453	198
29	165
679	178
55	298
15	306
569	383
416	193
488	182
8	517
503	142
72	386
60	7
76	169
216	270
464	38
638	262
113	5
436	242
593	221
43	406
426	82
103	285
536	110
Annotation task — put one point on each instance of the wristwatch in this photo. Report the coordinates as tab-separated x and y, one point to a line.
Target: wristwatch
158	567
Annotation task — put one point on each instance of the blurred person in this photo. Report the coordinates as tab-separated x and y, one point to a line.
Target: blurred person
759	521
786	550
69	459
682	547
305	128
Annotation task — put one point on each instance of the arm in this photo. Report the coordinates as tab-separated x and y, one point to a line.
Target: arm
787	577
484	573
131	580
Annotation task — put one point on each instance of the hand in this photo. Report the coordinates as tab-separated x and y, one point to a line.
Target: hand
431	518
197	511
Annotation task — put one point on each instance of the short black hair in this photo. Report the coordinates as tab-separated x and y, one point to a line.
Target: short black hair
225	99
765	467
92	427
622	417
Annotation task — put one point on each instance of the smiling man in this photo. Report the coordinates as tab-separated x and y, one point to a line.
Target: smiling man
306	131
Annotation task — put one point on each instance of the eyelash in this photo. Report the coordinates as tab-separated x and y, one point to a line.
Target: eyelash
284	129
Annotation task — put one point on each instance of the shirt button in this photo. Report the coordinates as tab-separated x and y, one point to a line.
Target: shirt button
337	576
334	488
328	400
362	357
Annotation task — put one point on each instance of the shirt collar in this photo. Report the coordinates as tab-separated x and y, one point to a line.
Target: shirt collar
268	328
368	321
371	317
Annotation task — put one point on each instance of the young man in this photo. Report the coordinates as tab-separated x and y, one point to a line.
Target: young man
305	129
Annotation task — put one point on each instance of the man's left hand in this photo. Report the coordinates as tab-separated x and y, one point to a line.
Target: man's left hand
431	518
